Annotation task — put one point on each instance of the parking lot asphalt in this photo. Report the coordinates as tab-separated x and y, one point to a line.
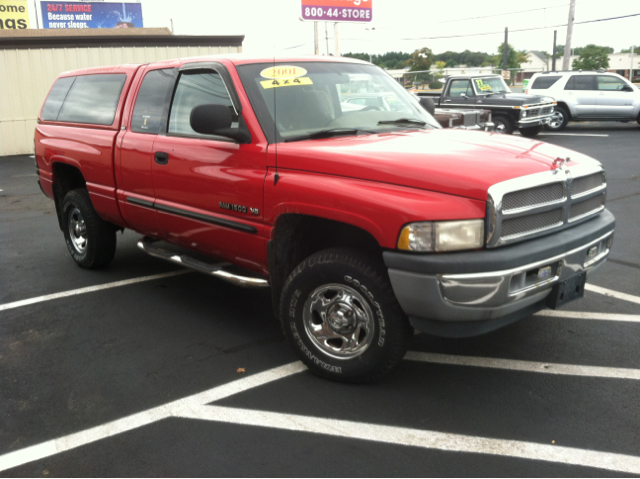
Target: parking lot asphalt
180	374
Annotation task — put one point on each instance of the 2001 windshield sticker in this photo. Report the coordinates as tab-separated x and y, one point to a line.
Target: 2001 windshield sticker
284	75
337	10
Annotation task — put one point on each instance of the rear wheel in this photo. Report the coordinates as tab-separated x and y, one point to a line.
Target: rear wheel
90	240
530	132
503	124
559	120
340	315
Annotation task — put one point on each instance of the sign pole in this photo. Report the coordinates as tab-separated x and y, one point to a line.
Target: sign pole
567	44
337	38
326	36
555	38
35	6
316	39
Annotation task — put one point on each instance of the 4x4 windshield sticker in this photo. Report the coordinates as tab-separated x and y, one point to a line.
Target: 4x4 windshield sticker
482	86
287	82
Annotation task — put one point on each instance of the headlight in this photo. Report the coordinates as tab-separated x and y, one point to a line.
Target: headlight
523	114
442	236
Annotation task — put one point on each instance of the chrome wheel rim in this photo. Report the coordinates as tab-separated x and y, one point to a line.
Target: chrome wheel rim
77	231
339	321
556	120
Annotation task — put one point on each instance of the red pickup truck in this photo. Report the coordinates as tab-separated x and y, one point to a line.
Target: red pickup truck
364	223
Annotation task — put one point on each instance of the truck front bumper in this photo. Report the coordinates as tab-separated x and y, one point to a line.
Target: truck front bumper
533	122
472	292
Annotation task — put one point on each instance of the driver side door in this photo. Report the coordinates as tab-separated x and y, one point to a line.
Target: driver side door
459	93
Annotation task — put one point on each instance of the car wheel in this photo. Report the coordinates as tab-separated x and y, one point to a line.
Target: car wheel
559	119
503	125
90	240
530	132
339	313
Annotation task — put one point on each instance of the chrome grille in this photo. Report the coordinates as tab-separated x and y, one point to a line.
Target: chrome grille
542	203
541	195
531	223
587	183
578	210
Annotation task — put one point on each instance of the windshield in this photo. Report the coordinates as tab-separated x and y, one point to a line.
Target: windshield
296	100
490	85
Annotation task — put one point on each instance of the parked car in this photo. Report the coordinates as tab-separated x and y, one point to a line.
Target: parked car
364	224
587	96
509	111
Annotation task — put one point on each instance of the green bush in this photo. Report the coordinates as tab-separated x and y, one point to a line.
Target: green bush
436	85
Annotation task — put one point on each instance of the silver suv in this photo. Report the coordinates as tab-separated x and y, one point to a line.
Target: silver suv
593	96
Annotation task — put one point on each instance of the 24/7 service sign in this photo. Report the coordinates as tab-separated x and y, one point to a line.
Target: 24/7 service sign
337	10
91	15
14	15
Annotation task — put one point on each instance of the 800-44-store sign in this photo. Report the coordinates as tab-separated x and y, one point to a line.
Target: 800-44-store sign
337	10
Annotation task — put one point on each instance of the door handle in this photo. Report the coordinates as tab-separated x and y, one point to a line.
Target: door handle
161	157
447	101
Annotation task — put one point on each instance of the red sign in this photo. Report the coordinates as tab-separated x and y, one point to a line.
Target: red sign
337	10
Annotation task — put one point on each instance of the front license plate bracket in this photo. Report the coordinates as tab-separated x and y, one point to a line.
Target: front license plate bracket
567	290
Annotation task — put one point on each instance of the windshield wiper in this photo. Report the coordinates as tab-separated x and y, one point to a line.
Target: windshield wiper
319	135
401	121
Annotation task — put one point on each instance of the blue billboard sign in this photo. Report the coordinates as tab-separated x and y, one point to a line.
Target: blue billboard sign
69	15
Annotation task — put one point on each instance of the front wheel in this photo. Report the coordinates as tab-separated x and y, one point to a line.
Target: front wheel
90	240
559	119
531	131
339	313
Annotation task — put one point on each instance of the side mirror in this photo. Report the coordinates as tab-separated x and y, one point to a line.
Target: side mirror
214	119
627	88
427	104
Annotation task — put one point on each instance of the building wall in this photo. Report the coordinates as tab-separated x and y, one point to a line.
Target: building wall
27	76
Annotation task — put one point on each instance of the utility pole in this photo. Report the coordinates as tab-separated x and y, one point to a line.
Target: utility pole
567	44
553	60
35	9
337	39
316	39
326	36
505	49
631	67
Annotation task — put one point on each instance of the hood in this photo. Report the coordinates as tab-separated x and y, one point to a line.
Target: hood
513	99
456	162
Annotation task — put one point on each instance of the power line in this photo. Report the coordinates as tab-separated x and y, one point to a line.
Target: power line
522	29
504	14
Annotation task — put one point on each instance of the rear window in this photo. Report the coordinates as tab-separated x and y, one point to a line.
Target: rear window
56	98
148	114
90	99
542	83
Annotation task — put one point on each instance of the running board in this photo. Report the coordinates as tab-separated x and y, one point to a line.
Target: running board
218	269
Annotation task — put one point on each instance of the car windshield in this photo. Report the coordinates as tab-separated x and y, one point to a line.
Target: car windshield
314	100
490	85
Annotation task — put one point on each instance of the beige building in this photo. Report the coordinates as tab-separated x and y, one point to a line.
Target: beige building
30	61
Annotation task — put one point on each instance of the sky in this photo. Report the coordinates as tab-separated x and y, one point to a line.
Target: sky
273	26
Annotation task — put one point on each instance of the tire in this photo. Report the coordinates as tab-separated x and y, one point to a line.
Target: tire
503	124
91	241
559	120
340	315
530	132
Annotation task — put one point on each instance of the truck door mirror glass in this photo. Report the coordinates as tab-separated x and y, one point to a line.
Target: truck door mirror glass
428	105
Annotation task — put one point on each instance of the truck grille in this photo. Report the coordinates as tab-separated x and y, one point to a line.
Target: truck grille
538	204
533	112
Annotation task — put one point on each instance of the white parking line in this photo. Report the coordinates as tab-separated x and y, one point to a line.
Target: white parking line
573	134
23	176
527	366
89	289
417	438
72	441
630	318
614	294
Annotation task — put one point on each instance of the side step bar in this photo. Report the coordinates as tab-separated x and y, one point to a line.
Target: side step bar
218	270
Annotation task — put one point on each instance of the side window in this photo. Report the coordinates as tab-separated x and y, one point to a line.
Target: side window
93	99
56	98
147	114
609	83
196	89
581	82
460	87
544	82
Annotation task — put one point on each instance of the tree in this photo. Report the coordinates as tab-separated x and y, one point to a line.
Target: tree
514	58
592	57
636	50
420	60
